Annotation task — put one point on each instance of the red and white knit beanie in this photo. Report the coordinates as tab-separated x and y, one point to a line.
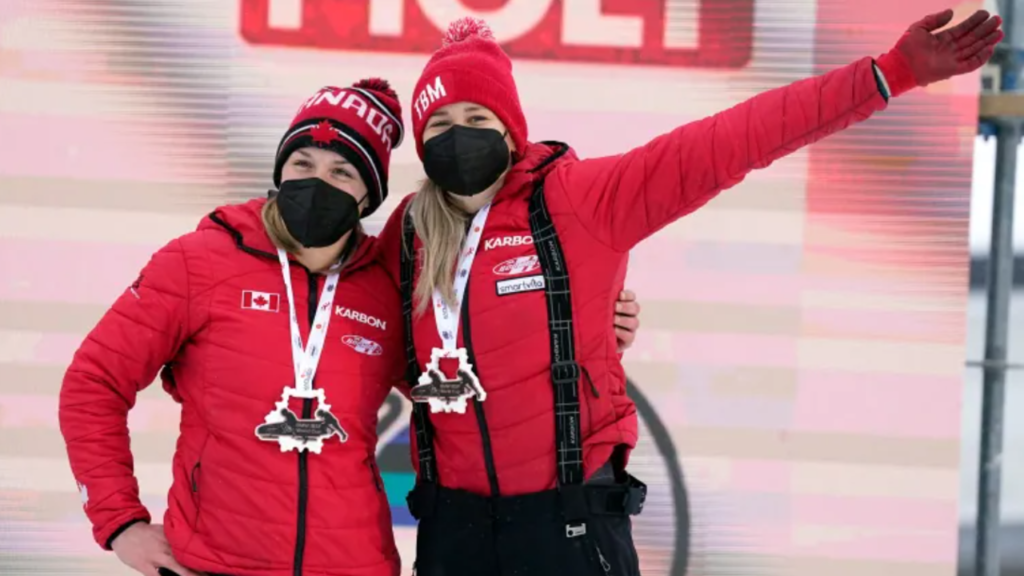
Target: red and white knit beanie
363	123
469	67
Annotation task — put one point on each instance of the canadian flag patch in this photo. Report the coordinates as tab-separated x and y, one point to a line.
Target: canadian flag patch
266	301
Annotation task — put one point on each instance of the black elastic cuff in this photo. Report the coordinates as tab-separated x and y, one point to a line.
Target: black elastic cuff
121	530
878	80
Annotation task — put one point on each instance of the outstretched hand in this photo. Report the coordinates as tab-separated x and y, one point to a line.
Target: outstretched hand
923	56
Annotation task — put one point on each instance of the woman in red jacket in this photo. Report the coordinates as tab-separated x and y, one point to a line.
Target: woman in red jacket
274	472
523	426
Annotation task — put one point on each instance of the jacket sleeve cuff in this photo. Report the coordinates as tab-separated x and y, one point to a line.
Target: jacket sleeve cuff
883	86
105	538
896	75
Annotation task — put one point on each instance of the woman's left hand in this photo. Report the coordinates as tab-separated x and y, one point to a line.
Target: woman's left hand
627	319
923	55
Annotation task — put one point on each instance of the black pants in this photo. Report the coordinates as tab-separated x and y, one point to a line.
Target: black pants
463	534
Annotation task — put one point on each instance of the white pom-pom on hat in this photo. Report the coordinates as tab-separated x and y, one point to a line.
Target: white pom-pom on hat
467	27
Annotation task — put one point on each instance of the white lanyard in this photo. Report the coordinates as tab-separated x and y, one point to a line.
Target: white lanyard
447	316
306	358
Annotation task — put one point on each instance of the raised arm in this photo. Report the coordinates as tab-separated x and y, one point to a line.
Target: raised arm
121	356
626	198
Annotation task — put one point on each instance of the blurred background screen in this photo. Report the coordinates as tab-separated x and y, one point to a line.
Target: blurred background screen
800	367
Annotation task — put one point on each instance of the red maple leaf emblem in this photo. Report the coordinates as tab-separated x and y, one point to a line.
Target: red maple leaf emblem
260	301
323	133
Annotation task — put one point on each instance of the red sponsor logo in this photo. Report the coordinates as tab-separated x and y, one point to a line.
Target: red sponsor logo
516	266
694	33
363	345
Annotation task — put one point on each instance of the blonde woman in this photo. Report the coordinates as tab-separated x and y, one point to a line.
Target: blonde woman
509	260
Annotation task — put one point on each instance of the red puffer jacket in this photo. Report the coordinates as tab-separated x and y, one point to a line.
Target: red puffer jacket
212	305
601	208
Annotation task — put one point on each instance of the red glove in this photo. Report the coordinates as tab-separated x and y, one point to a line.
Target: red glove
921	57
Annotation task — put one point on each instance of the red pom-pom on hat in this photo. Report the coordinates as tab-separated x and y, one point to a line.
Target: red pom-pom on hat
377	85
465	28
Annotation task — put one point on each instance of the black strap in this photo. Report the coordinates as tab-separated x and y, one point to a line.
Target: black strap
625	499
420	415
565	372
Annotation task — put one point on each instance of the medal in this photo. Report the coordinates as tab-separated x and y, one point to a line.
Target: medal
282	425
433	387
445	395
294	433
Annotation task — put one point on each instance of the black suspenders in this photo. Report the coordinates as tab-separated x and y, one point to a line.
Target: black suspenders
420	414
565	372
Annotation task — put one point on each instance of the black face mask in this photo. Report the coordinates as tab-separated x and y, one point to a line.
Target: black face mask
465	161
316	213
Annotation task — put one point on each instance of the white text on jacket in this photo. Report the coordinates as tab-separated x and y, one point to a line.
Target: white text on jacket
507	241
360	317
519	285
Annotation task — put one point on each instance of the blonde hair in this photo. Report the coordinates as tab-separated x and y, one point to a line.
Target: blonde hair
276	229
441	227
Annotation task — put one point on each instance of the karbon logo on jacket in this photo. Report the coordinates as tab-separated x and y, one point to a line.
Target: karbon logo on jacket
360	317
507	242
696	33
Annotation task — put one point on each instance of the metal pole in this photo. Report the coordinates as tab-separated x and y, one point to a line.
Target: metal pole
1000	284
987	561
1000	278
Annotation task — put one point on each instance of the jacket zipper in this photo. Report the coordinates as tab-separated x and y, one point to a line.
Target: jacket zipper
307	410
478	407
604	562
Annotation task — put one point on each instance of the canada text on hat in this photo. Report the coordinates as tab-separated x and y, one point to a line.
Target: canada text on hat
365	105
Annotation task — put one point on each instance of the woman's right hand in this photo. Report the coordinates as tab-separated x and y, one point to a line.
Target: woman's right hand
144	548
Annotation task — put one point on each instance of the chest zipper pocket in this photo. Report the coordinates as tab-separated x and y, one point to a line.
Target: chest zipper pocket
593	392
373	473
194	481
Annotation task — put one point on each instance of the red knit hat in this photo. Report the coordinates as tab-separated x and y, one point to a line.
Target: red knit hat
363	123
469	67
